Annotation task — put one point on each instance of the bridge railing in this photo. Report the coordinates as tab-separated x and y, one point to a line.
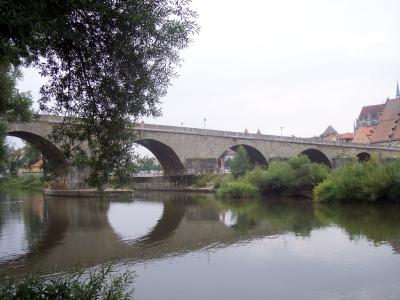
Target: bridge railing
245	135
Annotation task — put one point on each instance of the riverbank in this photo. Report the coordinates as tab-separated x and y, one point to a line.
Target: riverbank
370	182
373	181
295	177
22	183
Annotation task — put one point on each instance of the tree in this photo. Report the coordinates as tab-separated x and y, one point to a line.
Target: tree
148	164
108	63
240	162
228	163
14	105
30	155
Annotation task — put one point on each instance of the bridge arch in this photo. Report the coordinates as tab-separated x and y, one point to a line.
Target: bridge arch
317	156
165	155
363	156
255	155
56	161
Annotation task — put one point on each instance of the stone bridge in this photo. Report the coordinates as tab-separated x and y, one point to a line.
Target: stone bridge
183	150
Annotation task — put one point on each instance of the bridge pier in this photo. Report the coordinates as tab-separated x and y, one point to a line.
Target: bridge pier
71	179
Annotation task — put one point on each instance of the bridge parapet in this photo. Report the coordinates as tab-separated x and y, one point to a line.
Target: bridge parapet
234	134
255	136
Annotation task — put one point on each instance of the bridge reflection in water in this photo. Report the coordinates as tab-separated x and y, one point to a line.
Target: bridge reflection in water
56	234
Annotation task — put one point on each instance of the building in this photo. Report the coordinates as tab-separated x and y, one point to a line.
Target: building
369	116
387	131
330	134
362	135
329	131
228	154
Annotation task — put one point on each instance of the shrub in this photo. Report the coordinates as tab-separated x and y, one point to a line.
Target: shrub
238	189
207	180
297	176
370	181
24	182
240	162
200	181
277	178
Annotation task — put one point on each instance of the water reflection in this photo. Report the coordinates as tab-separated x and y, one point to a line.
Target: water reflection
144	214
56	234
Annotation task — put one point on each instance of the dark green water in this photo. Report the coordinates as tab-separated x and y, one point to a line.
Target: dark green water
196	247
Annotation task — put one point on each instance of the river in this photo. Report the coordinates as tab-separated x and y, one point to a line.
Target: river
192	246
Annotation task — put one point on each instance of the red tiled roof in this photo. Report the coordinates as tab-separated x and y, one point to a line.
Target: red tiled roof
346	135
363	135
373	110
367	130
387	128
39	163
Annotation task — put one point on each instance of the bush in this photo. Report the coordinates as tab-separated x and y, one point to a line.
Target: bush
200	181
297	177
277	179
204	180
370	181
24	182
238	189
95	285
240	162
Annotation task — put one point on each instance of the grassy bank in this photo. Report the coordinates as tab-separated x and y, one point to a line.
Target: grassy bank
295	177
101	284
371	181
22	183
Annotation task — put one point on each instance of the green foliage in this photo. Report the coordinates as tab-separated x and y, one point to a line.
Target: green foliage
14	159
228	163
296	177
27	182
148	164
238	189
200	181
101	284
14	105
108	64
204	180
277	179
306	175
31	155
240	162
371	181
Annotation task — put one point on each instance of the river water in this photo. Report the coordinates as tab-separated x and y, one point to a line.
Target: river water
183	246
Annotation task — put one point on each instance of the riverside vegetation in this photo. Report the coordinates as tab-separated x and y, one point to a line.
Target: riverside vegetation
295	177
22	183
370	181
99	284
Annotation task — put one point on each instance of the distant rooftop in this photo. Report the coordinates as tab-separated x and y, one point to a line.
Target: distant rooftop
387	128
329	131
371	111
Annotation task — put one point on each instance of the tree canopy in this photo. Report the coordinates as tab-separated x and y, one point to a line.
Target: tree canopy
108	63
240	162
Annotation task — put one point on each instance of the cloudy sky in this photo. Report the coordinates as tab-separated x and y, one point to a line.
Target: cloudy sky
300	64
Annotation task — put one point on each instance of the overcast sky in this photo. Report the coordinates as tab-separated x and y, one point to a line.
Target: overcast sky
300	64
